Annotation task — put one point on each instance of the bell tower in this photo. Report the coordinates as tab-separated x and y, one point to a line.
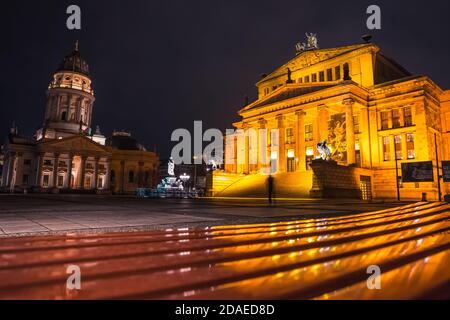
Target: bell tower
70	99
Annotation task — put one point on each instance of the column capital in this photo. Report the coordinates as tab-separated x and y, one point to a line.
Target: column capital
348	102
262	123
280	118
300	113
322	107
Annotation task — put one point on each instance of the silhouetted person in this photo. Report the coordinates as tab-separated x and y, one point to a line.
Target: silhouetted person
270	188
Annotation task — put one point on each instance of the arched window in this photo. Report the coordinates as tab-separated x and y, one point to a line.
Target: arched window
131	176
113	176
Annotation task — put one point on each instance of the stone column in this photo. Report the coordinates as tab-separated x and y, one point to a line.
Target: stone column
282	144
350	131
140	174
55	169
246	151
39	169
108	174
300	151
122	176
10	174
82	172
262	145
323	114
69	172
3	181
96	172
19	170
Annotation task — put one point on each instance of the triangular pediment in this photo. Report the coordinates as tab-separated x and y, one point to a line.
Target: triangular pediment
78	143
312	57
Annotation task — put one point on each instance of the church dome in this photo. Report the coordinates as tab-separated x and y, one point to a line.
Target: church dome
124	141
74	62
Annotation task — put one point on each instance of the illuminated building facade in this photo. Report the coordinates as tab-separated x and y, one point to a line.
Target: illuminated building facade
369	109
66	155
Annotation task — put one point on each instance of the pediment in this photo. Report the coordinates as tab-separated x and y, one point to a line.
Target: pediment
75	144
312	57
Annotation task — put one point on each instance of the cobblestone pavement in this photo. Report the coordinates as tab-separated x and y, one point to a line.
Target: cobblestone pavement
44	214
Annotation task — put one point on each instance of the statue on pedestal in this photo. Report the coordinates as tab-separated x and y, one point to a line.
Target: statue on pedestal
325	152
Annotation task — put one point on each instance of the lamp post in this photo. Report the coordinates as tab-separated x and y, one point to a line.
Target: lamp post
195	171
437	168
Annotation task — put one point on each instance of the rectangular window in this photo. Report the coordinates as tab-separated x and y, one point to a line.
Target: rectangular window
308	132
60	181
25	179
330	74
407	116
300	80
45	180
398	147
386	151
87	182
321	76
337	73
309	157
314	77
290	160
384	120
396	118
48	162
356	123
289	135
307	79
410	146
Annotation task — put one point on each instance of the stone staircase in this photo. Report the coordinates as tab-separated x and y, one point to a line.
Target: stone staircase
286	185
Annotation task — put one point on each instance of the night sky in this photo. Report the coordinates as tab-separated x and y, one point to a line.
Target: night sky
160	65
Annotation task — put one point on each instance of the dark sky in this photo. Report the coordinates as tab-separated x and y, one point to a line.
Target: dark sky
160	65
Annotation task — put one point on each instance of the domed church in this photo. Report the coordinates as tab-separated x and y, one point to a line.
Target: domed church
67	154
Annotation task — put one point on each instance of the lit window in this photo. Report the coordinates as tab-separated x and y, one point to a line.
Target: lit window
60	181
407	115
289	135
395	118
309	157
410	146
356	124
308	132
290	160
386	151
46	180
384	120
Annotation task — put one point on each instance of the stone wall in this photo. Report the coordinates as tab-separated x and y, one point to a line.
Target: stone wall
331	180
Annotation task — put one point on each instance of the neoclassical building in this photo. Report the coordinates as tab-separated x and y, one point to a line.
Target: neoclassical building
66	154
370	110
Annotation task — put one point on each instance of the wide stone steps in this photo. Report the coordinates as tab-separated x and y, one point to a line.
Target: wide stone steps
304	259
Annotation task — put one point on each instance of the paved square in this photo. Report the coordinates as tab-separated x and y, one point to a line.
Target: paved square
41	214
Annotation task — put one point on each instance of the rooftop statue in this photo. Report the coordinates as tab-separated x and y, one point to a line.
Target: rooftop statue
311	43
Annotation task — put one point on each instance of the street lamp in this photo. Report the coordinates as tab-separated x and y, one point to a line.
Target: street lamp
195	171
